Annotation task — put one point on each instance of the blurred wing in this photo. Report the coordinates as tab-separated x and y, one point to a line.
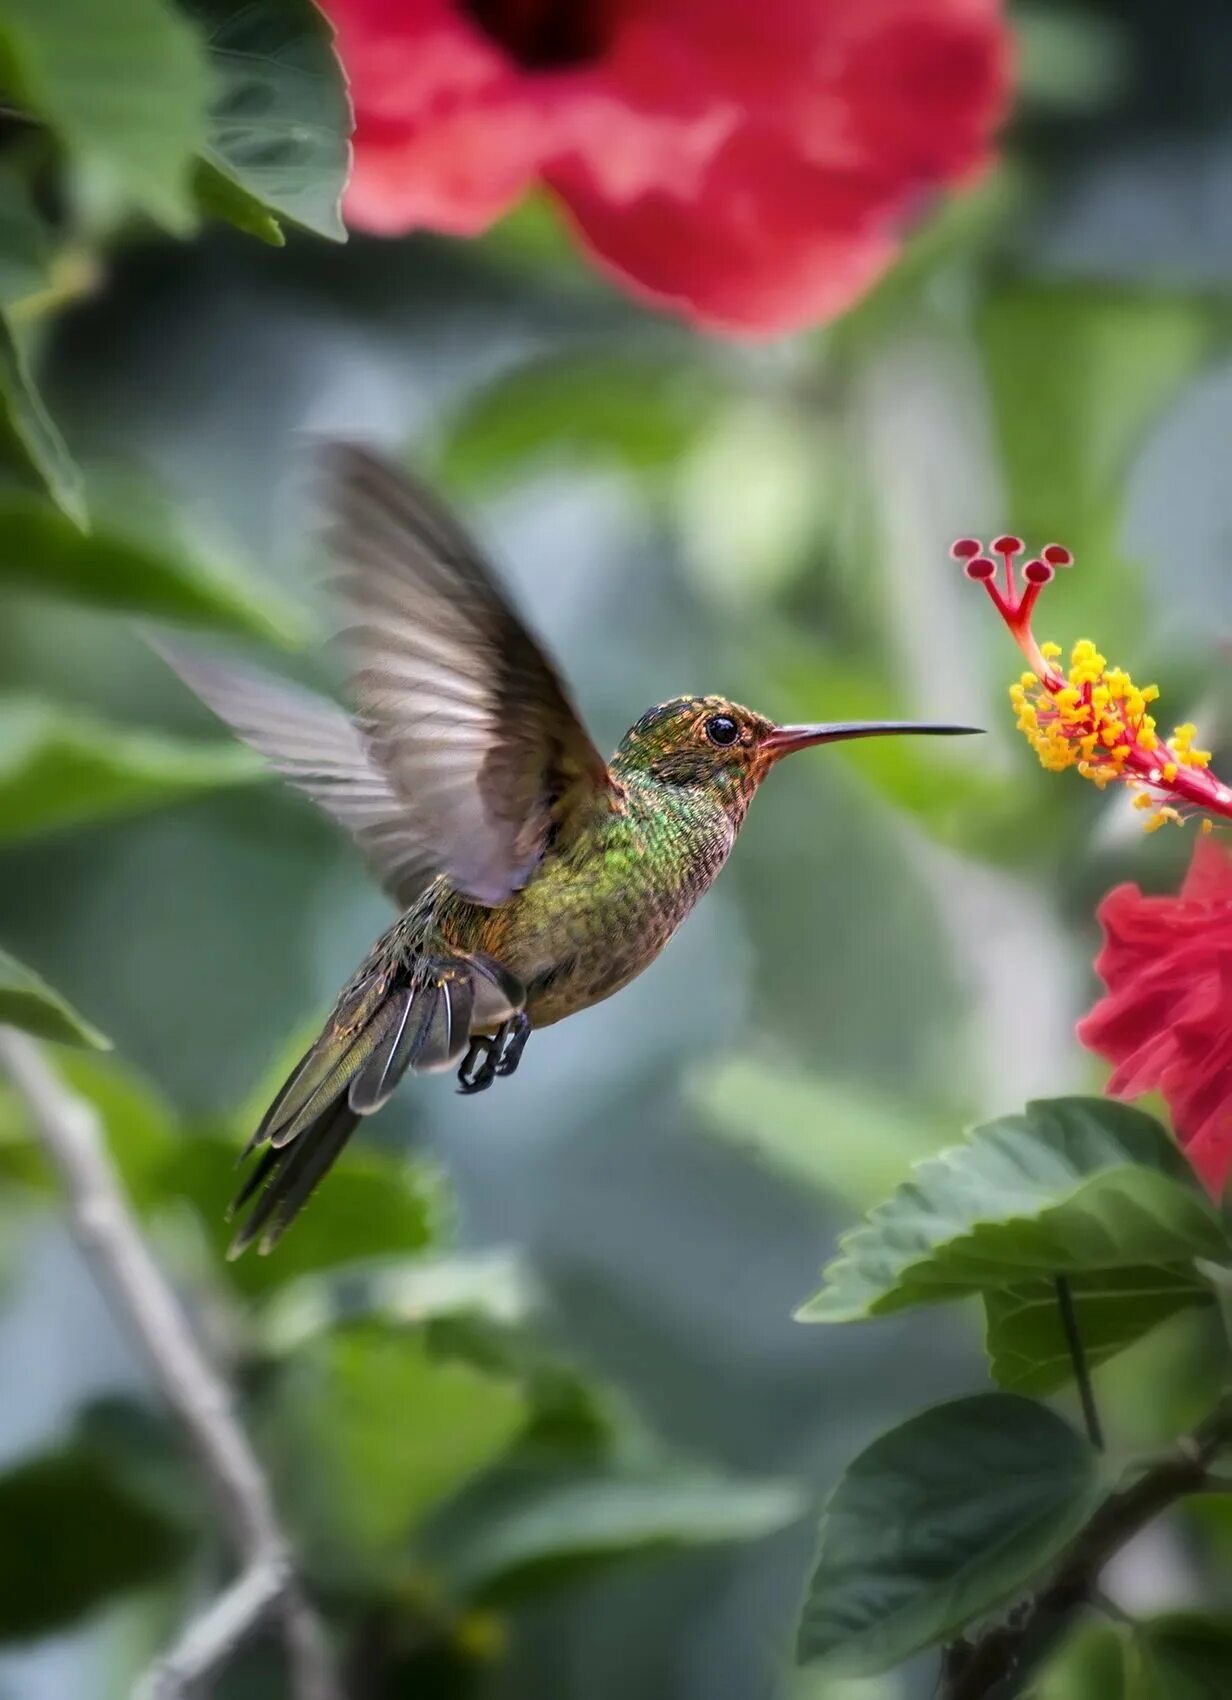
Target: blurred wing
460	706
313	743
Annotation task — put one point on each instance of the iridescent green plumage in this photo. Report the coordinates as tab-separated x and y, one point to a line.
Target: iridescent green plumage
535	879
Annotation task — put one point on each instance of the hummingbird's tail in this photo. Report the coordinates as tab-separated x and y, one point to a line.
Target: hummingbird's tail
417	1015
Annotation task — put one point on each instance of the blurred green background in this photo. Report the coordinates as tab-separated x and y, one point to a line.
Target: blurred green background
900	946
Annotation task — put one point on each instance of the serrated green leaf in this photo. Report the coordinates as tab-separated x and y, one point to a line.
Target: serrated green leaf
123	84
844	1142
1073	1186
138	563
528	1525
74	1537
938	1522
28	1002
1025	1339
30	441
278	144
59	769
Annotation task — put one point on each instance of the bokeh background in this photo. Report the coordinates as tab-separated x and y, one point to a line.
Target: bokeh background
900	946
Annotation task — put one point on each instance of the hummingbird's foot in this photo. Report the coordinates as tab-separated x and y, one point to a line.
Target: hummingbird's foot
511	1042
490	1056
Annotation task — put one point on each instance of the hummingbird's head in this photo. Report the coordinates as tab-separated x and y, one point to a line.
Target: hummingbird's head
713	744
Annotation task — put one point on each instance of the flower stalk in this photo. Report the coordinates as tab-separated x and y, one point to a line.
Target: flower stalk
1091	717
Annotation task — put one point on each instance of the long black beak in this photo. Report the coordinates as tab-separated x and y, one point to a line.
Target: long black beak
784	739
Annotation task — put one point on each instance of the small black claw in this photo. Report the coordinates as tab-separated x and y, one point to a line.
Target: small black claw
511	1041
477	1070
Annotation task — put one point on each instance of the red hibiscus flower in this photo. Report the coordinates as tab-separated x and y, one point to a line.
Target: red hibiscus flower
1166	1021
748	162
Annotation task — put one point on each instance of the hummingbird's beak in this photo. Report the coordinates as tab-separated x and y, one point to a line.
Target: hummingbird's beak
784	739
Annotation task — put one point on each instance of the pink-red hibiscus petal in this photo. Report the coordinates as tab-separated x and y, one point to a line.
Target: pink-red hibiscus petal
749	164
1166	1021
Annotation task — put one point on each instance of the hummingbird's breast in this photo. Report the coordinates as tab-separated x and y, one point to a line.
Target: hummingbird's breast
593	916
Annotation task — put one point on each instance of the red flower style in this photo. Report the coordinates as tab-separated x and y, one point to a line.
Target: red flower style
747	163
1166	1021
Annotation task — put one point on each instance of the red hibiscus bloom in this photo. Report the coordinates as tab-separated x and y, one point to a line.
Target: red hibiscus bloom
748	163
1166	1021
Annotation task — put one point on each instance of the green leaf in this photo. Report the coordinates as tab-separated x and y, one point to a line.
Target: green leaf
138	562
580	408
1076	1186
74	1538
1025	1340
29	1003
25	241
59	769
123	84
940	1521
525	1526
843	1141
279	128
1183	1656
371	1431
29	439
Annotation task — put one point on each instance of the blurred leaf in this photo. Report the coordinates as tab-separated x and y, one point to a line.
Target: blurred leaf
59	768
370	1431
493	1285
1218	1277
378	1204
844	1141
529	1525
940	1521
28	437
1073	1186
575	408
29	1003
122	83
279	128
73	1538
1184	1656
138	563
25	242
1071	403
1069	61
1092	1663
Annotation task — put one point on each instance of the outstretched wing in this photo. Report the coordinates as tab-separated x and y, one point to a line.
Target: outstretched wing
313	743
460	708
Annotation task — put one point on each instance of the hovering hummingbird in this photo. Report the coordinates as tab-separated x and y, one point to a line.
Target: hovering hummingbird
533	878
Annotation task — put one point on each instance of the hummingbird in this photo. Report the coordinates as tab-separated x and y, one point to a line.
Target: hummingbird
533	878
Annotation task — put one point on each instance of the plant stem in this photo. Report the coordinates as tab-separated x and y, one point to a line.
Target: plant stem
998	1663
1078	1357
111	1240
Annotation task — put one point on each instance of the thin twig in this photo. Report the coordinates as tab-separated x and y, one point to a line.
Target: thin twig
997	1664
111	1240
1078	1357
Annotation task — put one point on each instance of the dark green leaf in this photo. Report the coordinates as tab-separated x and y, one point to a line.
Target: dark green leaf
940	1521
138	563
1026	1342
123	84
73	1538
1075	1186
525	1526
25	243
60	769
1184	1656
29	440
279	127
29	1003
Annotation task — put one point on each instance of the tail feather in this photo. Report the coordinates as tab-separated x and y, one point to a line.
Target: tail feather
287	1176
420	1017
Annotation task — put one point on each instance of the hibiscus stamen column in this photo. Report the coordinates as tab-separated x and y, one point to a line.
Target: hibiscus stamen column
1091	717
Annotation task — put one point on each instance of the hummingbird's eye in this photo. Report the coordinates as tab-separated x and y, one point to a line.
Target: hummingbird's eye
721	729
